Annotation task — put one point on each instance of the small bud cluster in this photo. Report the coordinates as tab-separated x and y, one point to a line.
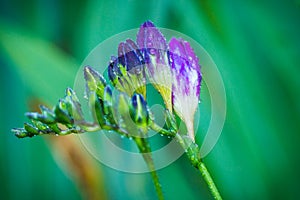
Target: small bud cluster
59	121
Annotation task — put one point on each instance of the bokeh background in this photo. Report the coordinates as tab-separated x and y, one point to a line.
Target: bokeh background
255	45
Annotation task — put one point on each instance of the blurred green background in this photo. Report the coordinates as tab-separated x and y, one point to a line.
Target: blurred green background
255	45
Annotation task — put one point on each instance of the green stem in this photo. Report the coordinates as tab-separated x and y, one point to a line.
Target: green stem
145	149
210	182
193	153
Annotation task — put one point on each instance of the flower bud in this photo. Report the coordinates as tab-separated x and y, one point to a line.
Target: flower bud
108	105
62	114
31	129
154	46
186	81
123	117
139	111
41	126
96	105
74	105
127	71
21	133
47	116
94	81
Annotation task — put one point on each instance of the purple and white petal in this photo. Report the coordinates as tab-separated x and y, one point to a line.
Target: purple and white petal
150	37
186	78
154	47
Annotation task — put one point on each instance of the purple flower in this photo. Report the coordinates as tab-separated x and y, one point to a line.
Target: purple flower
186	82
155	51
126	72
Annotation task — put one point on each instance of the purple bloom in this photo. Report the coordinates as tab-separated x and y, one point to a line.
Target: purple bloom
126	72
172	69
155	50
186	78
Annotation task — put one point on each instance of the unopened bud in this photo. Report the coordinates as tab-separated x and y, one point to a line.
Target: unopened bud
94	81
139	110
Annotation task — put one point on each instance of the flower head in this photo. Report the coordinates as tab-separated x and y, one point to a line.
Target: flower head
155	50
186	81
126	72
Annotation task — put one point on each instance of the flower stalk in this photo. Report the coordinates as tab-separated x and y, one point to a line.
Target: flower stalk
209	181
145	149
174	71
193	153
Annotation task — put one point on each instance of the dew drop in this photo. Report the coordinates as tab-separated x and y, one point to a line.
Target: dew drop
152	51
192	157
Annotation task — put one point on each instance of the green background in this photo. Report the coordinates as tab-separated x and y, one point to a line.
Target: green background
255	45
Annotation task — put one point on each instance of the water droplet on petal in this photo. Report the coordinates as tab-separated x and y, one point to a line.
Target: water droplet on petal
152	51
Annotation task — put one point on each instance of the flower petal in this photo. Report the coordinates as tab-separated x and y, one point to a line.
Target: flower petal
154	47
186	81
150	37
